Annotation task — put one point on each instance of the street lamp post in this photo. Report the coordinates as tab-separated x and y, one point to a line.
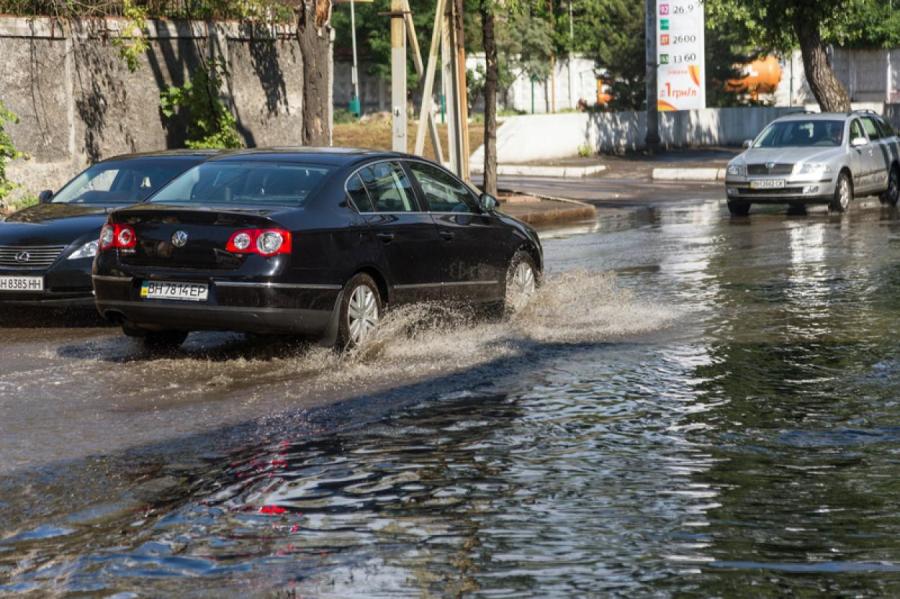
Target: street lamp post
652	139
355	106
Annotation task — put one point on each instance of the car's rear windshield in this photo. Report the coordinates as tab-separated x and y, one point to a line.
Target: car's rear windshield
251	182
801	133
121	181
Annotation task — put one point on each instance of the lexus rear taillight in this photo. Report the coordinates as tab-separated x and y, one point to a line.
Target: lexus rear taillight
115	236
265	242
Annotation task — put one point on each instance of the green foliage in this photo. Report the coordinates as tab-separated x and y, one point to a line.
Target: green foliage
527	41
280	11
210	123
132	41
8	149
769	23
585	150
343	116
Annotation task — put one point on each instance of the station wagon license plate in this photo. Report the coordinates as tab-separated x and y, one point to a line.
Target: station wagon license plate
186	292
767	184
21	283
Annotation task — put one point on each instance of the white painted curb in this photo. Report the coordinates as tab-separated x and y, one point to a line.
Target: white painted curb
689	174
561	172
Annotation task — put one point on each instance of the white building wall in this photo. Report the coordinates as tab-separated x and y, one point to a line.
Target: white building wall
574	80
868	75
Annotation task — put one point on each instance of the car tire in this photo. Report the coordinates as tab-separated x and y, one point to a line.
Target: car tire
738	208
843	194
892	193
522	281
164	341
361	309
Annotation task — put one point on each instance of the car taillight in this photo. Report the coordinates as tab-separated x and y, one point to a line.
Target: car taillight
115	236
265	242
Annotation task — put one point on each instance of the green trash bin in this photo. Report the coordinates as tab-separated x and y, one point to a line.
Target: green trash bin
354	107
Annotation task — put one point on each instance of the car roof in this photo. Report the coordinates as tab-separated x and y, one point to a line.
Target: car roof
325	156
823	116
198	155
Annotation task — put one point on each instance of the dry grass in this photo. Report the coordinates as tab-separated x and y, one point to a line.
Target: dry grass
376	135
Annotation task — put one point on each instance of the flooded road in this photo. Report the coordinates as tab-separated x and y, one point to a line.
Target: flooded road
693	406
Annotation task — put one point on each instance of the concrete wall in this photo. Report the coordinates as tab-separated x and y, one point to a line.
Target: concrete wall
552	136
79	103
868	75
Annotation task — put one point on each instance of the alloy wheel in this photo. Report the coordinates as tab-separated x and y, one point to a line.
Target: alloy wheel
362	313
893	186
520	287
844	193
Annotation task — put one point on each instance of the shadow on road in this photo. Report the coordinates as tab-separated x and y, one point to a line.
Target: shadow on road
29	317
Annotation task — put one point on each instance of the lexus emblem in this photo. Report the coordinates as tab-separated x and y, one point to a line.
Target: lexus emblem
179	239
23	257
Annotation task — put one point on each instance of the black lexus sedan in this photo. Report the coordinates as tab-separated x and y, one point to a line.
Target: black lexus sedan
47	250
313	242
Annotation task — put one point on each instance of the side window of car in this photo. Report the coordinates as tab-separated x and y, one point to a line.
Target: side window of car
389	187
856	130
886	130
358	194
443	192
871	128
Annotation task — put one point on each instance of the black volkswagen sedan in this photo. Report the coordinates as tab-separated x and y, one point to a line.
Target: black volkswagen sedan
47	250
309	242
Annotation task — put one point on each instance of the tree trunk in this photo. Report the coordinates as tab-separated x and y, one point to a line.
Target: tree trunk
314	36
829	92
491	76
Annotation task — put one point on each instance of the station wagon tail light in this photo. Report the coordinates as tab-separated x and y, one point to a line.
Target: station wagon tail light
115	236
265	242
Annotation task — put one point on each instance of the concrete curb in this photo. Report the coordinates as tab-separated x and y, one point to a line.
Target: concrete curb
571	210
560	172
689	174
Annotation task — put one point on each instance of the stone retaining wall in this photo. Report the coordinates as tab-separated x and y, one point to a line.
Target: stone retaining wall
79	103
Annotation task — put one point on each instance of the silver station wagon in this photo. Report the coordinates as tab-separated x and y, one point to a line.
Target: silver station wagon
826	158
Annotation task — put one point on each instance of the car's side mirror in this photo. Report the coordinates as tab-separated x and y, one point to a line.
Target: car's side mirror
45	196
488	203
858	141
748	143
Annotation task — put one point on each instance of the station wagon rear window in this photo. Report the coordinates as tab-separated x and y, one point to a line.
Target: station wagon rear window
800	133
254	182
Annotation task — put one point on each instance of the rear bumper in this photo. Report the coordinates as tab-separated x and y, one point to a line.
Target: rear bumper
253	307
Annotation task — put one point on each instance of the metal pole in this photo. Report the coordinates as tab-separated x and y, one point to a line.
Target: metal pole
572	44
652	139
461	87
354	73
398	76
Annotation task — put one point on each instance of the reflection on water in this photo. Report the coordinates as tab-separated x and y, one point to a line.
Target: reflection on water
748	448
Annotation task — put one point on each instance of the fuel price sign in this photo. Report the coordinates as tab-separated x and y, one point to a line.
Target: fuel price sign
681	74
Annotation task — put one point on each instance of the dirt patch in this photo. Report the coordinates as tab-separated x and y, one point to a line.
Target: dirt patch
375	134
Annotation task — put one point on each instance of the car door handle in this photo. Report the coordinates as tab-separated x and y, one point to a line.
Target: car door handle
448	235
385	237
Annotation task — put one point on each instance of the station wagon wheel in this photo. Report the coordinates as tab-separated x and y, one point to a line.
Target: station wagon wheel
892	194
360	311
164	341
843	194
522	281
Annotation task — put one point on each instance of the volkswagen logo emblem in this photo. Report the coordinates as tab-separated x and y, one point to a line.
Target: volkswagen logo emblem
770	165
179	239
23	257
